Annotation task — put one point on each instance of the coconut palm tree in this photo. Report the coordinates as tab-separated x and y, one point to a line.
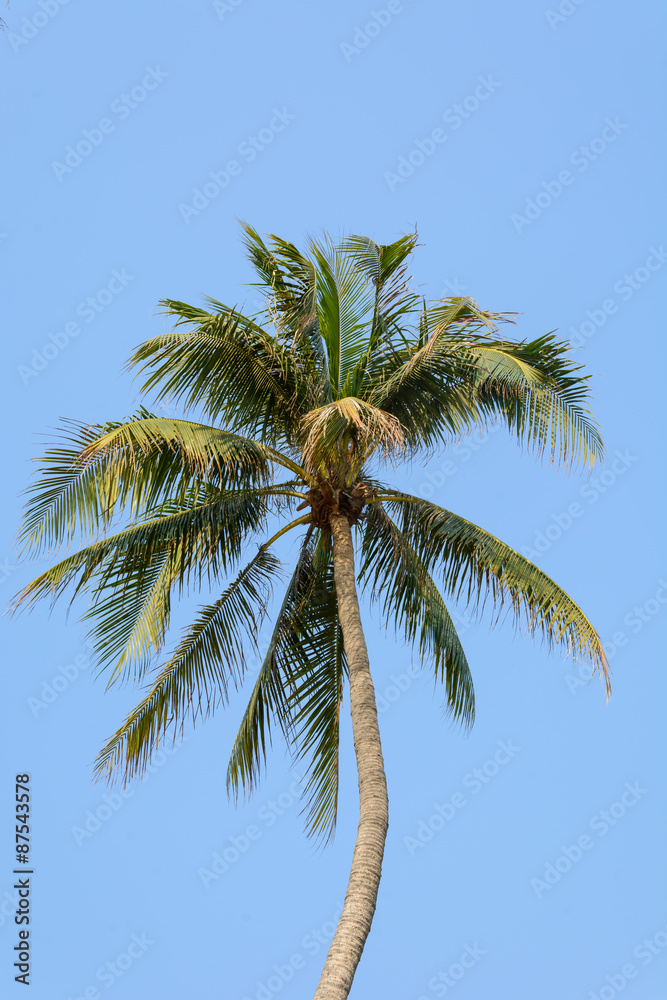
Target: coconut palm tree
298	408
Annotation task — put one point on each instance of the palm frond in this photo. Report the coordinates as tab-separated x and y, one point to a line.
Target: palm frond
210	657
345	302
409	599
270	696
300	686
539	392
344	434
130	574
130	613
476	565
455	376
229	366
379	262
290	280
101	469
385	267
317	691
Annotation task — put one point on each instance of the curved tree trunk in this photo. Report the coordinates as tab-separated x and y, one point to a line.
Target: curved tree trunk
357	916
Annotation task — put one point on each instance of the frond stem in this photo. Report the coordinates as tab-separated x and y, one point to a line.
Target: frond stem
306	519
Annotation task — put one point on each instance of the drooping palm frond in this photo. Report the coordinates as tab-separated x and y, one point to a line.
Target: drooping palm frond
210	657
300	687
130	612
542	396
409	600
454	376
418	381
476	565
270	697
99	470
130	575
316	695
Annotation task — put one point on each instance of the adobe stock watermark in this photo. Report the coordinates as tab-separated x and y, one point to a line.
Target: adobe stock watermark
248	150
87	310
625	288
446	979
122	107
236	846
8	906
474	781
644	952
581	158
6	570
398	686
32	25
111	802
224	7
400	683
109	973
452	286
364	33
460	454
283	972
620	463
51	690
601	823
564	11
454	117
635	621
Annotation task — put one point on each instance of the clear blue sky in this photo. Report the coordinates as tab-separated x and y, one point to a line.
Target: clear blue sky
526	146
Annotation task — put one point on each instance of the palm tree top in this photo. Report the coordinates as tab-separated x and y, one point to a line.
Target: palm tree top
298	407
345	354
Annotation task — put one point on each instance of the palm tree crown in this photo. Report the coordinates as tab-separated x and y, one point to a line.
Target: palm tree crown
345	369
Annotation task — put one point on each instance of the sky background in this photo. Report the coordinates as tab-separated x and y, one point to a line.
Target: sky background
544	195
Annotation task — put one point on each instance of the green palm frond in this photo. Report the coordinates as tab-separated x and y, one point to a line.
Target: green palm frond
409	599
380	263
290	281
68	495
99	470
130	574
130	613
420	381
317	691
229	366
386	268
475	565
454	377
215	455
345	304
300	686
542	396
270	697
209	658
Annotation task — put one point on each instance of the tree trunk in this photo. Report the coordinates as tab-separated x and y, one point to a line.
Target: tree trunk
355	921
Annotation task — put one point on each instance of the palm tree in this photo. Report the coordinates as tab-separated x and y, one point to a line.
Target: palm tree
300	404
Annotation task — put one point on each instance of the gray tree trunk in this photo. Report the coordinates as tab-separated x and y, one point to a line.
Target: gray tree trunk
355	921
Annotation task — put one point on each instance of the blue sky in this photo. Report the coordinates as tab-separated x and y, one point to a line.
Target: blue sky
525	142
